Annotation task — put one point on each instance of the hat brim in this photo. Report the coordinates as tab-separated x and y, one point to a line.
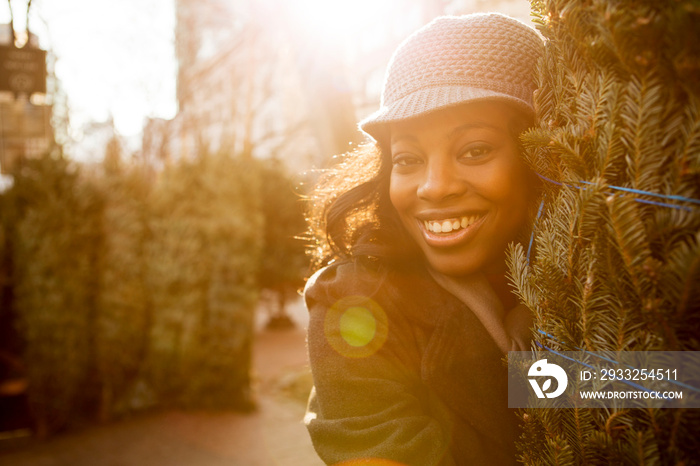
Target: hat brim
429	100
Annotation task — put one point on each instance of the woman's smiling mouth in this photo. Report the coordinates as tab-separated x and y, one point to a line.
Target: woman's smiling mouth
449	225
450	231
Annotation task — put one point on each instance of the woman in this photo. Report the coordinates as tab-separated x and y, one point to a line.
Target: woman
411	320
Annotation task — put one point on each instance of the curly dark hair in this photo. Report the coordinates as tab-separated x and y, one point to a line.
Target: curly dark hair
351	215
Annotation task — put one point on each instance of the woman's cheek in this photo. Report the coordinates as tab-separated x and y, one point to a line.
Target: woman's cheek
509	182
401	191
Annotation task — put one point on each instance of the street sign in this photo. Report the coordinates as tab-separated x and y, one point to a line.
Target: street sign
25	132
22	71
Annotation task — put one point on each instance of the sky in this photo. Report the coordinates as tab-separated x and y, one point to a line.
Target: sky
115	58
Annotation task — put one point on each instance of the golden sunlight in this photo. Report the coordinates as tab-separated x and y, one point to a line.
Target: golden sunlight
335	22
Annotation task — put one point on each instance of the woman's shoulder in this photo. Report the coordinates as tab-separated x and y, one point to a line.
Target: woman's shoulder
406	293
342	278
369	278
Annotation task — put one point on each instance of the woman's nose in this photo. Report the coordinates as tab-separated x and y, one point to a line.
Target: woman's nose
441	181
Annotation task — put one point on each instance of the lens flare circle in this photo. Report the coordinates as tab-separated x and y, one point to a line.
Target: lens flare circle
356	326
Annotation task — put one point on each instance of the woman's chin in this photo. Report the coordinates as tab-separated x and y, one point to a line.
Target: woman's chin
452	269
456	266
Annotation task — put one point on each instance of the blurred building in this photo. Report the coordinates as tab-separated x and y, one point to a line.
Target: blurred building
254	78
237	88
25	121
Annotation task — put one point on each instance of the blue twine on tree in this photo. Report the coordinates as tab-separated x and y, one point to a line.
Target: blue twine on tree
643	201
637	191
627	382
534	227
663	204
674	197
675	382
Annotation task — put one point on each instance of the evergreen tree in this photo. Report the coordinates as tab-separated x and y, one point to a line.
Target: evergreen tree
283	264
615	262
124	304
203	257
131	290
54	223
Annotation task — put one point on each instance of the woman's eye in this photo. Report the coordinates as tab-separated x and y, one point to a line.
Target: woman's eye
405	160
476	152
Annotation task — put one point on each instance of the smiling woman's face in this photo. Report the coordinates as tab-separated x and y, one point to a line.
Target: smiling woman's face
459	185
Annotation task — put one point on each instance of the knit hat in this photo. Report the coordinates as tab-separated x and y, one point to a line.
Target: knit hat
454	60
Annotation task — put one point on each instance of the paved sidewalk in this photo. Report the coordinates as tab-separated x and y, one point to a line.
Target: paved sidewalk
274	435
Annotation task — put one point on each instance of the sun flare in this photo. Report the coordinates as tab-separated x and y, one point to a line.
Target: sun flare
338	21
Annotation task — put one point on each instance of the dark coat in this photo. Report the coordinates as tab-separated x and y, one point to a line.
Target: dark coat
414	377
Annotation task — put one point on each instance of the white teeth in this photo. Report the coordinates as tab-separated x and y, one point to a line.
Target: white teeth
447	226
